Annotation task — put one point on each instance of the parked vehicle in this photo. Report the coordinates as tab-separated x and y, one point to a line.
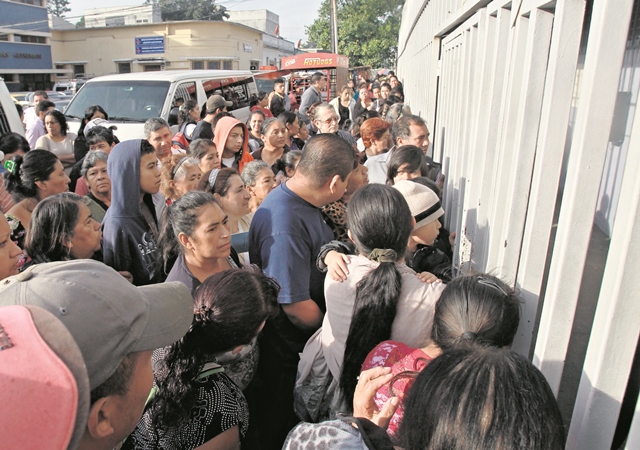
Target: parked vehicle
130	99
9	118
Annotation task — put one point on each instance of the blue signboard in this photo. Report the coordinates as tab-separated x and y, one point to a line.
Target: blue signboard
147	45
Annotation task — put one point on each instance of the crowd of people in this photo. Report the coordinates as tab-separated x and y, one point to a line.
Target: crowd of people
281	283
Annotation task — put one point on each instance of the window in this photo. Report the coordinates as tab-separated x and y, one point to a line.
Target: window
61	67
30	2
124	67
114	21
78	69
152	67
213	65
129	100
197	65
236	90
227	65
4	37
30	39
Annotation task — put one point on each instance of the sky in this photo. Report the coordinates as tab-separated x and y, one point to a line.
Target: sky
294	14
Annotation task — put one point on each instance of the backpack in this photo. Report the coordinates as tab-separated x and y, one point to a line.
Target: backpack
179	141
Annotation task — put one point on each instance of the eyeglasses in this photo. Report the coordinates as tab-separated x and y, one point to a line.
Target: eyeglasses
331	120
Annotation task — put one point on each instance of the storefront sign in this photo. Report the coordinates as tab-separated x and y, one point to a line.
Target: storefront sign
315	61
147	45
247	48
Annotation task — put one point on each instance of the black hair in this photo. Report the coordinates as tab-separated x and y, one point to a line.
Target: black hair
479	308
60	118
278	81
385	84
44	105
357	123
51	227
288	161
317	76
379	218
324	156
184	112
19	109
98	134
36	165
428	182
481	398
255	99
180	217
199	147
88	114
118	383
146	147
12	142
221	185
229	308
287	117
407	154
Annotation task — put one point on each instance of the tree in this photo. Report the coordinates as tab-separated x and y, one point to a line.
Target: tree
58	8
367	31
80	23
191	10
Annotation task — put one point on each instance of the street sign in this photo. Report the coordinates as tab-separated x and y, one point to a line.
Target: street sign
147	45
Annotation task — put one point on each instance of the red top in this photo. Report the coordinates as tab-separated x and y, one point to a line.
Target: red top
400	358
267	113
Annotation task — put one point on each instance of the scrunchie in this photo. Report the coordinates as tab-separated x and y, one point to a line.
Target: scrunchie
212	177
469	336
383	255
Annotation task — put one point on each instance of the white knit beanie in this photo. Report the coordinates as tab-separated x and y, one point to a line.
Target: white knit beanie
423	202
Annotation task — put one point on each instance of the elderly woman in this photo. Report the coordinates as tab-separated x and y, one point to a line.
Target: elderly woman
375	136
259	180
94	172
58	140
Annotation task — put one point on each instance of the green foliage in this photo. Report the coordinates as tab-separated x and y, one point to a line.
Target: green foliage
58	8
367	31
192	10
80	23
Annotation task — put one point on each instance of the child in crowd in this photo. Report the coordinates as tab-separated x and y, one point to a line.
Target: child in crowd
232	141
130	226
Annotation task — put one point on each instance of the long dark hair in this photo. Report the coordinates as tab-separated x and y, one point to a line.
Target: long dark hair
61	119
180	217
229	308
481	398
52	226
36	165
88	114
479	308
12	142
379	218
184	112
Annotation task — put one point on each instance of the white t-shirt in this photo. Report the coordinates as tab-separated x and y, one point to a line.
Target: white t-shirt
228	162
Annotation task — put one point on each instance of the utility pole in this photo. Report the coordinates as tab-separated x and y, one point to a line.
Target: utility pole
333	18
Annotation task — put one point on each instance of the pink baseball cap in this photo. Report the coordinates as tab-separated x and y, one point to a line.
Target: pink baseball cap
45	395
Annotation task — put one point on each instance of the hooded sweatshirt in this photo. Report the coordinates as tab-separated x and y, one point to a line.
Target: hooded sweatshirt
128	243
223	128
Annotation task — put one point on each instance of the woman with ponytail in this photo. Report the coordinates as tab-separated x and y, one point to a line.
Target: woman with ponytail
195	241
473	309
195	403
30	178
380	299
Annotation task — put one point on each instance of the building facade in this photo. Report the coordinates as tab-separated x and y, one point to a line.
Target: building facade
188	45
115	16
25	50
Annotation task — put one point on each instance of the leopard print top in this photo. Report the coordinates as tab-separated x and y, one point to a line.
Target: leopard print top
335	215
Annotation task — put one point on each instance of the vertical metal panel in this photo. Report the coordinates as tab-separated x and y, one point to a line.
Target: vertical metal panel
604	55
556	106
633	440
617	320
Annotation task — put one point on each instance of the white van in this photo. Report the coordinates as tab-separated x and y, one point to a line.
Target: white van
9	117
130	99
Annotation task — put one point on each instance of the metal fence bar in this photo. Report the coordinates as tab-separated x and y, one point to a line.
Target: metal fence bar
556	107
604	56
617	320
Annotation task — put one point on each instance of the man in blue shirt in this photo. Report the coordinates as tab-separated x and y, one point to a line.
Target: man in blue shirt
285	237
